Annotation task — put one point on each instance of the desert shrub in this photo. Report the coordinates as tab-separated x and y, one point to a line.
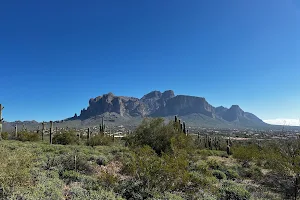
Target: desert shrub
77	193
252	172
134	189
5	135
47	186
71	176
279	183
100	140
231	190
200	166
219	174
14	169
202	180
159	136
99	160
82	164
246	153
205	153
231	174
259	192
67	162
167	172
167	196
214	164
65	138
28	136
108	180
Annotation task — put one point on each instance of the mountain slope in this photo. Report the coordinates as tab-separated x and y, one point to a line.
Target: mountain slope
165	104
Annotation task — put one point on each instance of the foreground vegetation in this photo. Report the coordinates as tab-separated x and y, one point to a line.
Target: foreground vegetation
157	161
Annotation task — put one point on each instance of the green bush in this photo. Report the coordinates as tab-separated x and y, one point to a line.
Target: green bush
202	180
205	153
77	193
108	180
219	174
5	135
66	162
14	169
167	172
201	166
231	174
71	176
47	186
159	136
232	191
214	164
134	189
247	153
65	138
100	140
28	136
252	172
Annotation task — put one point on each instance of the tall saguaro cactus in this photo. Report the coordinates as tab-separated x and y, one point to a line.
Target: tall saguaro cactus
102	127
50	132
88	134
43	130
16	131
1	120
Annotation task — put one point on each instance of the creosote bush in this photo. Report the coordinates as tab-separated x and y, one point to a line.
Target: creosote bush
230	190
28	136
166	172
100	140
160	137
219	174
14	169
5	135
65	138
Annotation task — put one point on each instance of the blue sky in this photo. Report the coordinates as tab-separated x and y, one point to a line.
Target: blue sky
56	55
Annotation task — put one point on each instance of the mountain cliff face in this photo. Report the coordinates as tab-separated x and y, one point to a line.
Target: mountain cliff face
158	104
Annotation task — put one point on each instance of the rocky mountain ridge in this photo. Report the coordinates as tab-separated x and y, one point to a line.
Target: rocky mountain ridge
164	104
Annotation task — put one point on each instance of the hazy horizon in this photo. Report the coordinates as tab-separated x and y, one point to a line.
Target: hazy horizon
56	55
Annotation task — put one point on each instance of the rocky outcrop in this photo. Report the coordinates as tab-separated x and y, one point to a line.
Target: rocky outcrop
164	104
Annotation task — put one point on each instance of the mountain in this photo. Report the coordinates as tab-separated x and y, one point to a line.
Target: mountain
195	110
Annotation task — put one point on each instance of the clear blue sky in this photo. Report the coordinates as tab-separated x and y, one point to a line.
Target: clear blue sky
56	55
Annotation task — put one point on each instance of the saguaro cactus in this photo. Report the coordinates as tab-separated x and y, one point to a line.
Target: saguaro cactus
1	120
228	150
175	119
16	131
102	127
88	134
50	131
43	130
184	129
